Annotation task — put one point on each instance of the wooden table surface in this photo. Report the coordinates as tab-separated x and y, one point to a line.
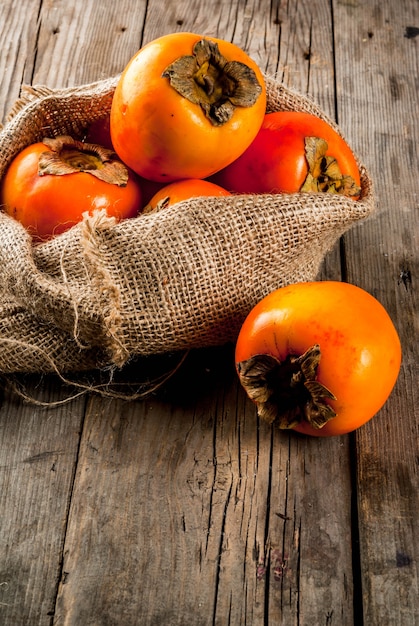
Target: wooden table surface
182	509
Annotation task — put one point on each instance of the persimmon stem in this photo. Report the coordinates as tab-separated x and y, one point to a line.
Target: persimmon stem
217	85
287	392
69	156
324	173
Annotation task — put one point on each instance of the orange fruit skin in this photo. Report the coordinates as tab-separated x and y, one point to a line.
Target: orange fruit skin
163	136
51	204
360	347
184	190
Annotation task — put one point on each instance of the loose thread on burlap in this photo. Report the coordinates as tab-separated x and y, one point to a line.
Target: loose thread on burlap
102	389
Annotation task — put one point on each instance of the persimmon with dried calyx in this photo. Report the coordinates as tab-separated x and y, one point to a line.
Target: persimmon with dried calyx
50	184
183	190
319	357
186	106
294	152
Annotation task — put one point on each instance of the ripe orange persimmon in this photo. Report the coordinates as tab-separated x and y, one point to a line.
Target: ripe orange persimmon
186	106
294	151
183	190
50	184
318	357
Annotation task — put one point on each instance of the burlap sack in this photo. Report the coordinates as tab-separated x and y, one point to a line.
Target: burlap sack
184	277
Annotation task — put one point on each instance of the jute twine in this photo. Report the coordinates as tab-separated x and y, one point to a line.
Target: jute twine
181	278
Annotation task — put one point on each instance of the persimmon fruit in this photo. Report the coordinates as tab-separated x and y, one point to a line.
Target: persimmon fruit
184	190
50	184
318	357
186	106
294	152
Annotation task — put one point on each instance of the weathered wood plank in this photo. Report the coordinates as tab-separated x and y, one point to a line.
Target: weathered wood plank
377	101
18	22
145	525
38	452
212	513
83	40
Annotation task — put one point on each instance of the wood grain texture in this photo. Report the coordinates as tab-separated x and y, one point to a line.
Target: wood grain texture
206	512
378	104
18	22
184	508
79	42
38	457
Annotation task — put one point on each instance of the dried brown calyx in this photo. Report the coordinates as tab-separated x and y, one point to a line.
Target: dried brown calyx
68	156
287	392
324	173
161	204
217	85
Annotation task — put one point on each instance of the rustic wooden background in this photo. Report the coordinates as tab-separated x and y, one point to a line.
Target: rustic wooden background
183	509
